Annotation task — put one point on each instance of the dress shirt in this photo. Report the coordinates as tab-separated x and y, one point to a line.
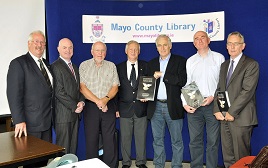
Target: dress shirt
236	60
38	64
162	92
129	68
67	63
204	71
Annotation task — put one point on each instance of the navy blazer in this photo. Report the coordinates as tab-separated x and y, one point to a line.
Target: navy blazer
175	78
127	103
29	96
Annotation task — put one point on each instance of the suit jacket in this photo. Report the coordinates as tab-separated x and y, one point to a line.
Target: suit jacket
29	96
241	90
127	103
175	78
67	91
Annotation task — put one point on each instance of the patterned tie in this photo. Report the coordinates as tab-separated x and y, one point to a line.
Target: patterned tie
229	73
72	69
133	79
44	72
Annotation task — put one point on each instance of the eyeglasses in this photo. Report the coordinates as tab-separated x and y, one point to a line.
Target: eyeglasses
38	42
233	44
100	51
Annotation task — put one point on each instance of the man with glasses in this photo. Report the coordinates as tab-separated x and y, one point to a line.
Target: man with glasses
237	124
30	91
99	84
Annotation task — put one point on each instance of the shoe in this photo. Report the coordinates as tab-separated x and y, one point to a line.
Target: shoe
141	166
125	166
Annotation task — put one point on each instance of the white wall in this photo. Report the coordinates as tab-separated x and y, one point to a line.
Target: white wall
17	20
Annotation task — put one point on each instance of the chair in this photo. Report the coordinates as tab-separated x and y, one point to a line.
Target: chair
64	160
260	161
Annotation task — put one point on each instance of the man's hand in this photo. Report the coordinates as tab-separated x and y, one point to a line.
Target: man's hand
20	128
104	109
229	117
207	101
157	74
101	103
80	106
219	116
143	100
117	114
189	109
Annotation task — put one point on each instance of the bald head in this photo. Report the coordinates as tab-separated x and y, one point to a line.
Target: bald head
65	49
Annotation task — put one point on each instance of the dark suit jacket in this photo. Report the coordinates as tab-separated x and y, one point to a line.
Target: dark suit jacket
127	103
241	90
29	96
175	78
67	91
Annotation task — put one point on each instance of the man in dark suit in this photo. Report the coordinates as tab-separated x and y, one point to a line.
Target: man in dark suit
30	93
237	124
170	72
69	101
132	111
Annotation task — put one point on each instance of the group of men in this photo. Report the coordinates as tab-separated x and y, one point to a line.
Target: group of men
104	91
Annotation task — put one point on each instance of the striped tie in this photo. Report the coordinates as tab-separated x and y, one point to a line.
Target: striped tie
44	72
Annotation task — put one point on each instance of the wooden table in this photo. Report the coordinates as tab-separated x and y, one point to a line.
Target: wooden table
16	152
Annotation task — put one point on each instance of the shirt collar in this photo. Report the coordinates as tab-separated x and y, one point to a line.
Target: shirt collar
65	60
166	58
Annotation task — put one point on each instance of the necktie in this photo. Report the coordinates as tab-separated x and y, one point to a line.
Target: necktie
133	76
72	69
230	73
44	72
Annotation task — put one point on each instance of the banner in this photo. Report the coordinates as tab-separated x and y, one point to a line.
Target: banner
145	29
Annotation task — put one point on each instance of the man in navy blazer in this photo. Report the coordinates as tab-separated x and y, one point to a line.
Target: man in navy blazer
170	72
132	111
30	93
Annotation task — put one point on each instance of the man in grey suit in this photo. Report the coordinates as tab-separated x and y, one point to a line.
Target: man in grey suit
30	92
69	101
132	111
237	124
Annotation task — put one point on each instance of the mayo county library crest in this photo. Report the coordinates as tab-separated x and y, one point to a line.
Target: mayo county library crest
97	31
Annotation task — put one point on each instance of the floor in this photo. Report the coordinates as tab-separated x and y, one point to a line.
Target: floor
149	164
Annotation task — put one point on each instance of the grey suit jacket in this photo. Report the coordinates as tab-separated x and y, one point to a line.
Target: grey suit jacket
241	90
67	91
29	96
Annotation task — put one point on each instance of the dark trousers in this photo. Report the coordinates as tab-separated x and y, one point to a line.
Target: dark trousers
67	135
96	121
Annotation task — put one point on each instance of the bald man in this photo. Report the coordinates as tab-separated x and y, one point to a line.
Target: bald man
69	101
203	68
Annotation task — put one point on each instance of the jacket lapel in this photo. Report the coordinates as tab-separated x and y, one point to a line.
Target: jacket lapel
36	69
237	69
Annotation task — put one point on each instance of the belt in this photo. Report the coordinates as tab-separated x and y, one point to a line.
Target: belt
162	100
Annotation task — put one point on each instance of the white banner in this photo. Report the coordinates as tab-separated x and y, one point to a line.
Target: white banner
145	29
